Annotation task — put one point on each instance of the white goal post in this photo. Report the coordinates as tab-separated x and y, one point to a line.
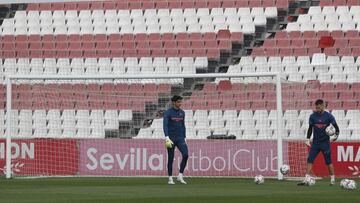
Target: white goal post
13	79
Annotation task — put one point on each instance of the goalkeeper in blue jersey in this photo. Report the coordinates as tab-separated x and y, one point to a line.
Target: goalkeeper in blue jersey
318	122
175	136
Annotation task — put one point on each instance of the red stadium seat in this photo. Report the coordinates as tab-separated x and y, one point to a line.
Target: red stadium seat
224	85
297	43
97	5
269	3
200	52
109	5
223	34
185	52
70	6
237	37
243	105
269	43
240	96
83	5
199	105
344	52
283	43
37	38
300	52
332	105
225	45
330	51
337	34
330	96
255	3
281	35
323	33
228	104
311	43
352	33
293	35
341	43
343	96
309	34
285	52
342	86
258	51
348	105
327	87
213	104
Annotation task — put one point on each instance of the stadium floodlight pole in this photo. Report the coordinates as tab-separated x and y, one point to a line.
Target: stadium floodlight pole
277	75
279	126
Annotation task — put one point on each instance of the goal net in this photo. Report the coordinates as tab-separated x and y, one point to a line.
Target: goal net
113	126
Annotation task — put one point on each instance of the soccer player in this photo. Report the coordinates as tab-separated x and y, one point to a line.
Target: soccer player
318	121
175	136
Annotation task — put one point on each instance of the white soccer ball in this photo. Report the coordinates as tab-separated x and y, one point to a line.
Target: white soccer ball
343	183
285	169
310	181
330	130
259	179
351	185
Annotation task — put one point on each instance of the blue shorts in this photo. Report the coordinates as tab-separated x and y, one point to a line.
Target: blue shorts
323	147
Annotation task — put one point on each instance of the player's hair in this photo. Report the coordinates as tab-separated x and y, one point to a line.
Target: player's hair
319	102
176	98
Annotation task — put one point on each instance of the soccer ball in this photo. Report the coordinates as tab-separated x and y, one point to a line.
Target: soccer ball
310	181
343	183
330	130
285	169
259	179
351	185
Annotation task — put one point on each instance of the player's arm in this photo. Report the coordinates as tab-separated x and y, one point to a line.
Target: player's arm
183	124
309	133
337	129
168	142
166	123
184	127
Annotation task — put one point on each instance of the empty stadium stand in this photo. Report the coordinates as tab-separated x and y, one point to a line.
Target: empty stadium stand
315	45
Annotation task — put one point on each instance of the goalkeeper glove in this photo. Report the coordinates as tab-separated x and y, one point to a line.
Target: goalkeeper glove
307	142
168	143
335	137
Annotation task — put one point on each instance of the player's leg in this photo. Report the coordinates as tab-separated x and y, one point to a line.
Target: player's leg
332	173
183	148
314	151
309	168
171	152
326	150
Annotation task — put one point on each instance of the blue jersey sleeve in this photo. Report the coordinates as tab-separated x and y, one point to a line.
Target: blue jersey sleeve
332	119
184	125
311	120
166	123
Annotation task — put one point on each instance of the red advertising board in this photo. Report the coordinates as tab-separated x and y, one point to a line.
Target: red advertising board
147	157
41	157
345	157
206	158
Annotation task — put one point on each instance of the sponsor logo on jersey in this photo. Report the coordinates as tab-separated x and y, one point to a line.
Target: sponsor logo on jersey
177	119
320	125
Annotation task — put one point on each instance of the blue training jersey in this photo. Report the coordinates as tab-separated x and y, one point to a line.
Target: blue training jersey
319	123
174	124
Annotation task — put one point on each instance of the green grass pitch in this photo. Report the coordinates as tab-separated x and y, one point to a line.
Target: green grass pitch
156	190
